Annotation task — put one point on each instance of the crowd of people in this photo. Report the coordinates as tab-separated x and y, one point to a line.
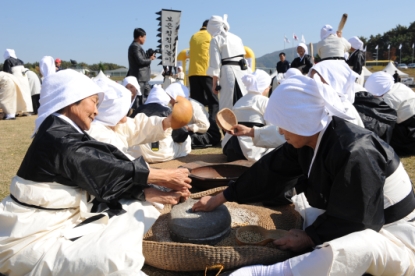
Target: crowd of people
85	194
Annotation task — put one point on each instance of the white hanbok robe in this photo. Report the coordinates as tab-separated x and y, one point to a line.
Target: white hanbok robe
402	99
140	130
226	47
251	108
25	103
34	82
200	119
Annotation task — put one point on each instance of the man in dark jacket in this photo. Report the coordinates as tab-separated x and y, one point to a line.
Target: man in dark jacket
282	65
139	64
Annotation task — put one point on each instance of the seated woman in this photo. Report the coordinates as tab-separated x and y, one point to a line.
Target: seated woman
304	61
402	99
112	126
203	132
357	188
11	98
165	149
76	205
131	84
249	111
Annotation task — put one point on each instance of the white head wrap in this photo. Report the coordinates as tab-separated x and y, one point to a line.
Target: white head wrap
158	95
47	66
302	45
339	76
116	102
292	72
356	43
177	89
303	106
379	83
62	89
180	67
9	53
217	25
326	31
133	81
257	82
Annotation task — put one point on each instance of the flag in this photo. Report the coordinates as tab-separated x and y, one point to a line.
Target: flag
400	46
302	39
376	47
286	39
295	37
365	49
389	46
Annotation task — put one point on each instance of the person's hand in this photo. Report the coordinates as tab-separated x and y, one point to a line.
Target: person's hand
176	179
339	34
153	57
296	240
154	195
167	122
209	203
241	130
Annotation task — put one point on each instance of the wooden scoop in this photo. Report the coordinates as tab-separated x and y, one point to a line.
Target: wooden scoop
258	235
226	119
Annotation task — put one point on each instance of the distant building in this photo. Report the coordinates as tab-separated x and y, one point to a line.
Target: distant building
120	72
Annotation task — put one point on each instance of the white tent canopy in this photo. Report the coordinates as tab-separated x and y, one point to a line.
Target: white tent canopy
390	69
366	73
158	79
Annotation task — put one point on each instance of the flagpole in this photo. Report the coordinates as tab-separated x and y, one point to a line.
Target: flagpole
412	53
389	53
400	54
377	55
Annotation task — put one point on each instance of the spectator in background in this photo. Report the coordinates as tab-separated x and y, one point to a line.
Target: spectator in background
396	77
58	63
283	65
304	61
139	63
200	82
10	60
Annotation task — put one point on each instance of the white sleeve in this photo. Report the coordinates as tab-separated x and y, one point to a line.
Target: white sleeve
200	120
215	59
143	129
267	137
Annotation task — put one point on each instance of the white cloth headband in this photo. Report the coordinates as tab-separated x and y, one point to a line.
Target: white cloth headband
302	105
356	43
177	89
158	95
9	53
133	81
302	45
47	66
257	82
217	25
116	102
326	31
379	83
62	89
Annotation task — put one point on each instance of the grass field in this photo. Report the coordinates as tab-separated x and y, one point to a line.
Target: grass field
15	140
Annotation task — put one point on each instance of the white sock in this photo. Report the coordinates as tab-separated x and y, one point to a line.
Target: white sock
278	269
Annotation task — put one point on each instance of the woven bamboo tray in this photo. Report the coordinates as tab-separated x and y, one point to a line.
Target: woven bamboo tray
161	253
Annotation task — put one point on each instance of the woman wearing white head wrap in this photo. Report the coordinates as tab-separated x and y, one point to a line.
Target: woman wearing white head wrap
253	136
304	61
10	96
131	84
165	149
202	131
402	99
180	75
64	181
35	86
354	186
342	79
47	66
332	46
357	58
292	72
10	60
226	52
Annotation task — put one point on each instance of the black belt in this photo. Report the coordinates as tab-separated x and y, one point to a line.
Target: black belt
226	62
35	206
333	58
400	209
251	124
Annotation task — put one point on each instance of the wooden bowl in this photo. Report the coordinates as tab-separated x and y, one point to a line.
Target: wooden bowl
226	119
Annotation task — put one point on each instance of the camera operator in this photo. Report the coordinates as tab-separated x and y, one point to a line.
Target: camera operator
139	62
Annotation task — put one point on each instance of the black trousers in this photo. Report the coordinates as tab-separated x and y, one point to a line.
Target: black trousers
35	103
201	91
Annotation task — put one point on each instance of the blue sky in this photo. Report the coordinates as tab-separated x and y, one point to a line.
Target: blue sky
92	31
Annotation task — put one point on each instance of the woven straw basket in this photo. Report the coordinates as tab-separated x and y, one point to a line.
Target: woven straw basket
193	257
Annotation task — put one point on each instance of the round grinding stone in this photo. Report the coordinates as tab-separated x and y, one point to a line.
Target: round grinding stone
198	227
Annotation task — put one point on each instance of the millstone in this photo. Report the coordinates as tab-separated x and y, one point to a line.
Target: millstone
198	227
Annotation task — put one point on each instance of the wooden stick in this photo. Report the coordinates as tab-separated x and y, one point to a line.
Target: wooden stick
311	50
342	22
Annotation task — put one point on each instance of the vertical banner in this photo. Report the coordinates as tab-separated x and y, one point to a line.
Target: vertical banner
169	36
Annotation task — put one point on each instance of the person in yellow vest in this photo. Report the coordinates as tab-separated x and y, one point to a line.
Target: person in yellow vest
200	82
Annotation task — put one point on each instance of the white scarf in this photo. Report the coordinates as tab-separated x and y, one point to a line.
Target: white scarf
158	95
303	106
116	102
177	89
292	72
62	89
339	76
326	31
133	81
217	25
257	82
47	66
379	83
9	53
356	43
302	45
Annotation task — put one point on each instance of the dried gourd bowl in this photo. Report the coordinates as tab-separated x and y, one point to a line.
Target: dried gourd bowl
161	252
